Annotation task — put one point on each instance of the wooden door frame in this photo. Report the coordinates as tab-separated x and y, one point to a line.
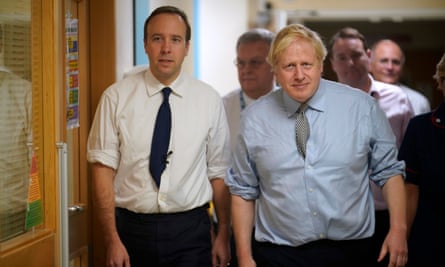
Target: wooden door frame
32	248
102	74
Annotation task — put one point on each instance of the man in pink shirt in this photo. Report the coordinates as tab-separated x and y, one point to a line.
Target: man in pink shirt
350	59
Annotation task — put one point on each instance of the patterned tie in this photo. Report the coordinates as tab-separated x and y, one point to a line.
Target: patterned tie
161	138
302	129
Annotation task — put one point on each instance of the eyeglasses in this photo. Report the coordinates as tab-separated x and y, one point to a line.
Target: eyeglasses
253	63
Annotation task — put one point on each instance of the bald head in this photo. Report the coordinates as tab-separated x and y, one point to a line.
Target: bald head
387	61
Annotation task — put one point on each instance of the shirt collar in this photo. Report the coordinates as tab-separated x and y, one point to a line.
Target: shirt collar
373	90
317	101
154	86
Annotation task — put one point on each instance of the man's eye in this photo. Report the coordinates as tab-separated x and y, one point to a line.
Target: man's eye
240	64
254	63
289	67
356	55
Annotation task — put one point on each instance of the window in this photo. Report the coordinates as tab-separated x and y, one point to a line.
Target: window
15	116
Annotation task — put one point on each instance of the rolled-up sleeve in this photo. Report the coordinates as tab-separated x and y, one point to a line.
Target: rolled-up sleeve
242	177
103	141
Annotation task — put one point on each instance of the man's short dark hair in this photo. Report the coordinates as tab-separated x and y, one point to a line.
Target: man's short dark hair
170	10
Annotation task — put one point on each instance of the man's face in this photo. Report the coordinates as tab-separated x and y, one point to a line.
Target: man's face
350	61
254	73
387	63
298	70
166	46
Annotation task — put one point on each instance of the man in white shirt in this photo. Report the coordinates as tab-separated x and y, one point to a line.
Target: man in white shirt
387	60
254	75
256	80
147	222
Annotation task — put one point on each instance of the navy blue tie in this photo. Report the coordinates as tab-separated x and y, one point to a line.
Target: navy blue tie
161	139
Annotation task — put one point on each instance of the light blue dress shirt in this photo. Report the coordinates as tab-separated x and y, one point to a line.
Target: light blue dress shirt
326	196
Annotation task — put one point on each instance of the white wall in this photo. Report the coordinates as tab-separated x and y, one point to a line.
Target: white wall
124	37
215	29
220	24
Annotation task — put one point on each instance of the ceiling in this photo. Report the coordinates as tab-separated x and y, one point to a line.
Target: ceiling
417	24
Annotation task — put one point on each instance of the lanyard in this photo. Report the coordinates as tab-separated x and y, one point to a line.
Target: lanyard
241	100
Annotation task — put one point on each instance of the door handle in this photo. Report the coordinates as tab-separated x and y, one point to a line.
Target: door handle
76	209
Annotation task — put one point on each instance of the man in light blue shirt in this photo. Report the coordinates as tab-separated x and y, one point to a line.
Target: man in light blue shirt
317	203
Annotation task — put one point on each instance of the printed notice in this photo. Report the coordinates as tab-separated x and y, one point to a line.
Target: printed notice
34	214
72	74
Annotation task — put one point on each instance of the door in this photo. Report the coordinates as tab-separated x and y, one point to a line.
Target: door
75	129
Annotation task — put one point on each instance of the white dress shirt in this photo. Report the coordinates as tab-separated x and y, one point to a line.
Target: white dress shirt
121	137
233	106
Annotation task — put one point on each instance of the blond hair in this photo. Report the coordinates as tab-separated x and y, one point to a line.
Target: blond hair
291	33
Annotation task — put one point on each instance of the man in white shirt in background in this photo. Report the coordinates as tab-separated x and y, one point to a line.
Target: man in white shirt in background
387	60
254	75
256	80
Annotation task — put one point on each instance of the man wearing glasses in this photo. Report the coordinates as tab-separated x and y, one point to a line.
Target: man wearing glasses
256	79
254	74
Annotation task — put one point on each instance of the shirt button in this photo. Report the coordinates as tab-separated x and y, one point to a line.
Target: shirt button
322	236
314	213
311	190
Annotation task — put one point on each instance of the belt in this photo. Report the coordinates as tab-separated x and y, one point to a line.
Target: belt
162	216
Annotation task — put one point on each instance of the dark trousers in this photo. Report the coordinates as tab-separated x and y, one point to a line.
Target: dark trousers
166	240
321	253
380	232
